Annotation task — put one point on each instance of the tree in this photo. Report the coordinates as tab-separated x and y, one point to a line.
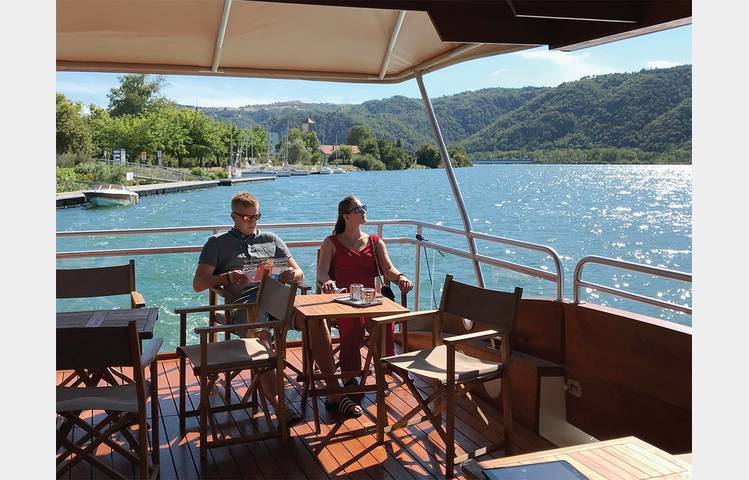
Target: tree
428	156
73	134
458	156
358	134
136	95
298	152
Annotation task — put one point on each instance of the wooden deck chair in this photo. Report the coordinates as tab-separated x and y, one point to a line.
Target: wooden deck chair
99	282
231	357
452	372
124	405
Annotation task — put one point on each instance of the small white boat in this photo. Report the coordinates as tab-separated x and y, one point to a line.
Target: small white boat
299	172
325	171
283	173
338	169
109	195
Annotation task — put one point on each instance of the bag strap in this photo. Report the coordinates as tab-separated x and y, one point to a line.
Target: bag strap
385	281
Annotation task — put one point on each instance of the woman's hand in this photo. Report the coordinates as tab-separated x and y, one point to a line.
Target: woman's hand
328	287
405	284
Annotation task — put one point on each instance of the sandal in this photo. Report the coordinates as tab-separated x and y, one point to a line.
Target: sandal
357	397
292	417
346	407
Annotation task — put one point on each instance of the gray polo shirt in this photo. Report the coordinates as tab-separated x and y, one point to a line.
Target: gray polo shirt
230	250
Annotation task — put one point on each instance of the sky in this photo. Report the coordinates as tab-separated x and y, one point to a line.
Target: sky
538	67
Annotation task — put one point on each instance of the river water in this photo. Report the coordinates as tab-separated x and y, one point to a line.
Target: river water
638	213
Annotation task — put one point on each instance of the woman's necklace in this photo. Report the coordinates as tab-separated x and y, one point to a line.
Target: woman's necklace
351	242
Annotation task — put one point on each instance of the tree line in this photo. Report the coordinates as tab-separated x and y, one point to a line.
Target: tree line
142	121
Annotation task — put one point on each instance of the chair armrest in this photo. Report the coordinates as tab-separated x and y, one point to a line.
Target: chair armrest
214	308
403	317
219	290
152	349
235	326
456	339
136	300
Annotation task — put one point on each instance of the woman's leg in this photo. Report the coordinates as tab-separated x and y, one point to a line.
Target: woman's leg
322	348
352	336
390	340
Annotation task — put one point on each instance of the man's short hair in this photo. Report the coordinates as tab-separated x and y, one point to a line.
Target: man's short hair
244	199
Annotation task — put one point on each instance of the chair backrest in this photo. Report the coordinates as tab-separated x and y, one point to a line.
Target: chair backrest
96	282
492	308
277	299
98	347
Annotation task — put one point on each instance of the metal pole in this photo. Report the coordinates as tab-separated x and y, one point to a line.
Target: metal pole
417	274
451	177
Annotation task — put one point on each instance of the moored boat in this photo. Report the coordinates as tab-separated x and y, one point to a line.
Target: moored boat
109	195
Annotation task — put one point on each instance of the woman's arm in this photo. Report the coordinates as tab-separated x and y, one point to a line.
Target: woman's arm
324	281
388	269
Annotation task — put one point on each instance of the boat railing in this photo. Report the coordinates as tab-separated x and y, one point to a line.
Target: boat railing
630	266
418	240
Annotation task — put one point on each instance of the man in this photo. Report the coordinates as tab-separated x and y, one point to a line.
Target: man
222	262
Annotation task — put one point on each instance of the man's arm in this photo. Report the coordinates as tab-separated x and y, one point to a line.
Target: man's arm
204	278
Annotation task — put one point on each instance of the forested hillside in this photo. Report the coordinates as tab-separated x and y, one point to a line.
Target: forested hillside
642	116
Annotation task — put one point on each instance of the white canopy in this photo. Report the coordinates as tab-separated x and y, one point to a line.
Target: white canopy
363	41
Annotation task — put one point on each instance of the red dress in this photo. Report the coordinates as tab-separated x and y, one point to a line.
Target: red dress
350	266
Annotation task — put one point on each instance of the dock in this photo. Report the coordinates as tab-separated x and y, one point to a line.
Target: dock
76	199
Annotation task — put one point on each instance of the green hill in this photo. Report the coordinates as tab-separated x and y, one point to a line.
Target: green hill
646	112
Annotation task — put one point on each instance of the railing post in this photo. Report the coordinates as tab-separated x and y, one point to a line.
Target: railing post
417	274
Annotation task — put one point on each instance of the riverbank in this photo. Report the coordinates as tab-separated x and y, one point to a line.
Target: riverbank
77	199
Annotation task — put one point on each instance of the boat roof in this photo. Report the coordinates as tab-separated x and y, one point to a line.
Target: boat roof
336	40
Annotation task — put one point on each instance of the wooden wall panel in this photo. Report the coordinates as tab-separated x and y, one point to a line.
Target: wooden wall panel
635	376
540	329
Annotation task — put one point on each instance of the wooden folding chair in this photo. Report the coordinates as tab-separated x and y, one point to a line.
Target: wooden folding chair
452	372
99	282
124	405
232	356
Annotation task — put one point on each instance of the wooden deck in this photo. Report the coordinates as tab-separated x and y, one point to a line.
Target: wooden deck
343	449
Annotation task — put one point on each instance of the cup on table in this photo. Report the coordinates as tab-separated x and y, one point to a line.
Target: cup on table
368	295
356	291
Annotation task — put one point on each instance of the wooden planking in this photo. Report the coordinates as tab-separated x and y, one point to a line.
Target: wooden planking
342	450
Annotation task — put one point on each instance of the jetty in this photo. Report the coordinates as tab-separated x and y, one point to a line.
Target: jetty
76	199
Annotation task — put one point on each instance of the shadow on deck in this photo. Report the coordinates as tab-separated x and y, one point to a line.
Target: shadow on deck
345	448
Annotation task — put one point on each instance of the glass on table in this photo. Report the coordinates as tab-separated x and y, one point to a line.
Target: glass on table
368	295
356	291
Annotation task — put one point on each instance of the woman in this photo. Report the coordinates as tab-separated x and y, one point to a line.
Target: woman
349	256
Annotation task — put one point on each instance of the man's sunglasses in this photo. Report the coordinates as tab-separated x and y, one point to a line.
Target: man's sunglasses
248	218
358	209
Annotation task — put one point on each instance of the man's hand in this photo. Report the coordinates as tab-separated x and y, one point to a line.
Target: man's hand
238	277
287	276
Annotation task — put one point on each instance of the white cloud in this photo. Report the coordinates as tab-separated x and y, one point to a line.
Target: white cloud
499	72
556	57
660	64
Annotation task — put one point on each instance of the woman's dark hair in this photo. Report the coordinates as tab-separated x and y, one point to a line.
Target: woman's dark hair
344	206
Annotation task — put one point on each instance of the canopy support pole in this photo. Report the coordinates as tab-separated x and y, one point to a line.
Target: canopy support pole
220	36
451	177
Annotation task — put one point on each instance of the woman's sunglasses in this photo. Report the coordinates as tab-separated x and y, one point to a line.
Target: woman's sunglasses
358	209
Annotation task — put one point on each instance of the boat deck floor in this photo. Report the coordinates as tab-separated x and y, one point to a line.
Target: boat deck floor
344	448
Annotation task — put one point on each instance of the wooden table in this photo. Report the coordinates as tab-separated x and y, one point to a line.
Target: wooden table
628	458
314	308
145	319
